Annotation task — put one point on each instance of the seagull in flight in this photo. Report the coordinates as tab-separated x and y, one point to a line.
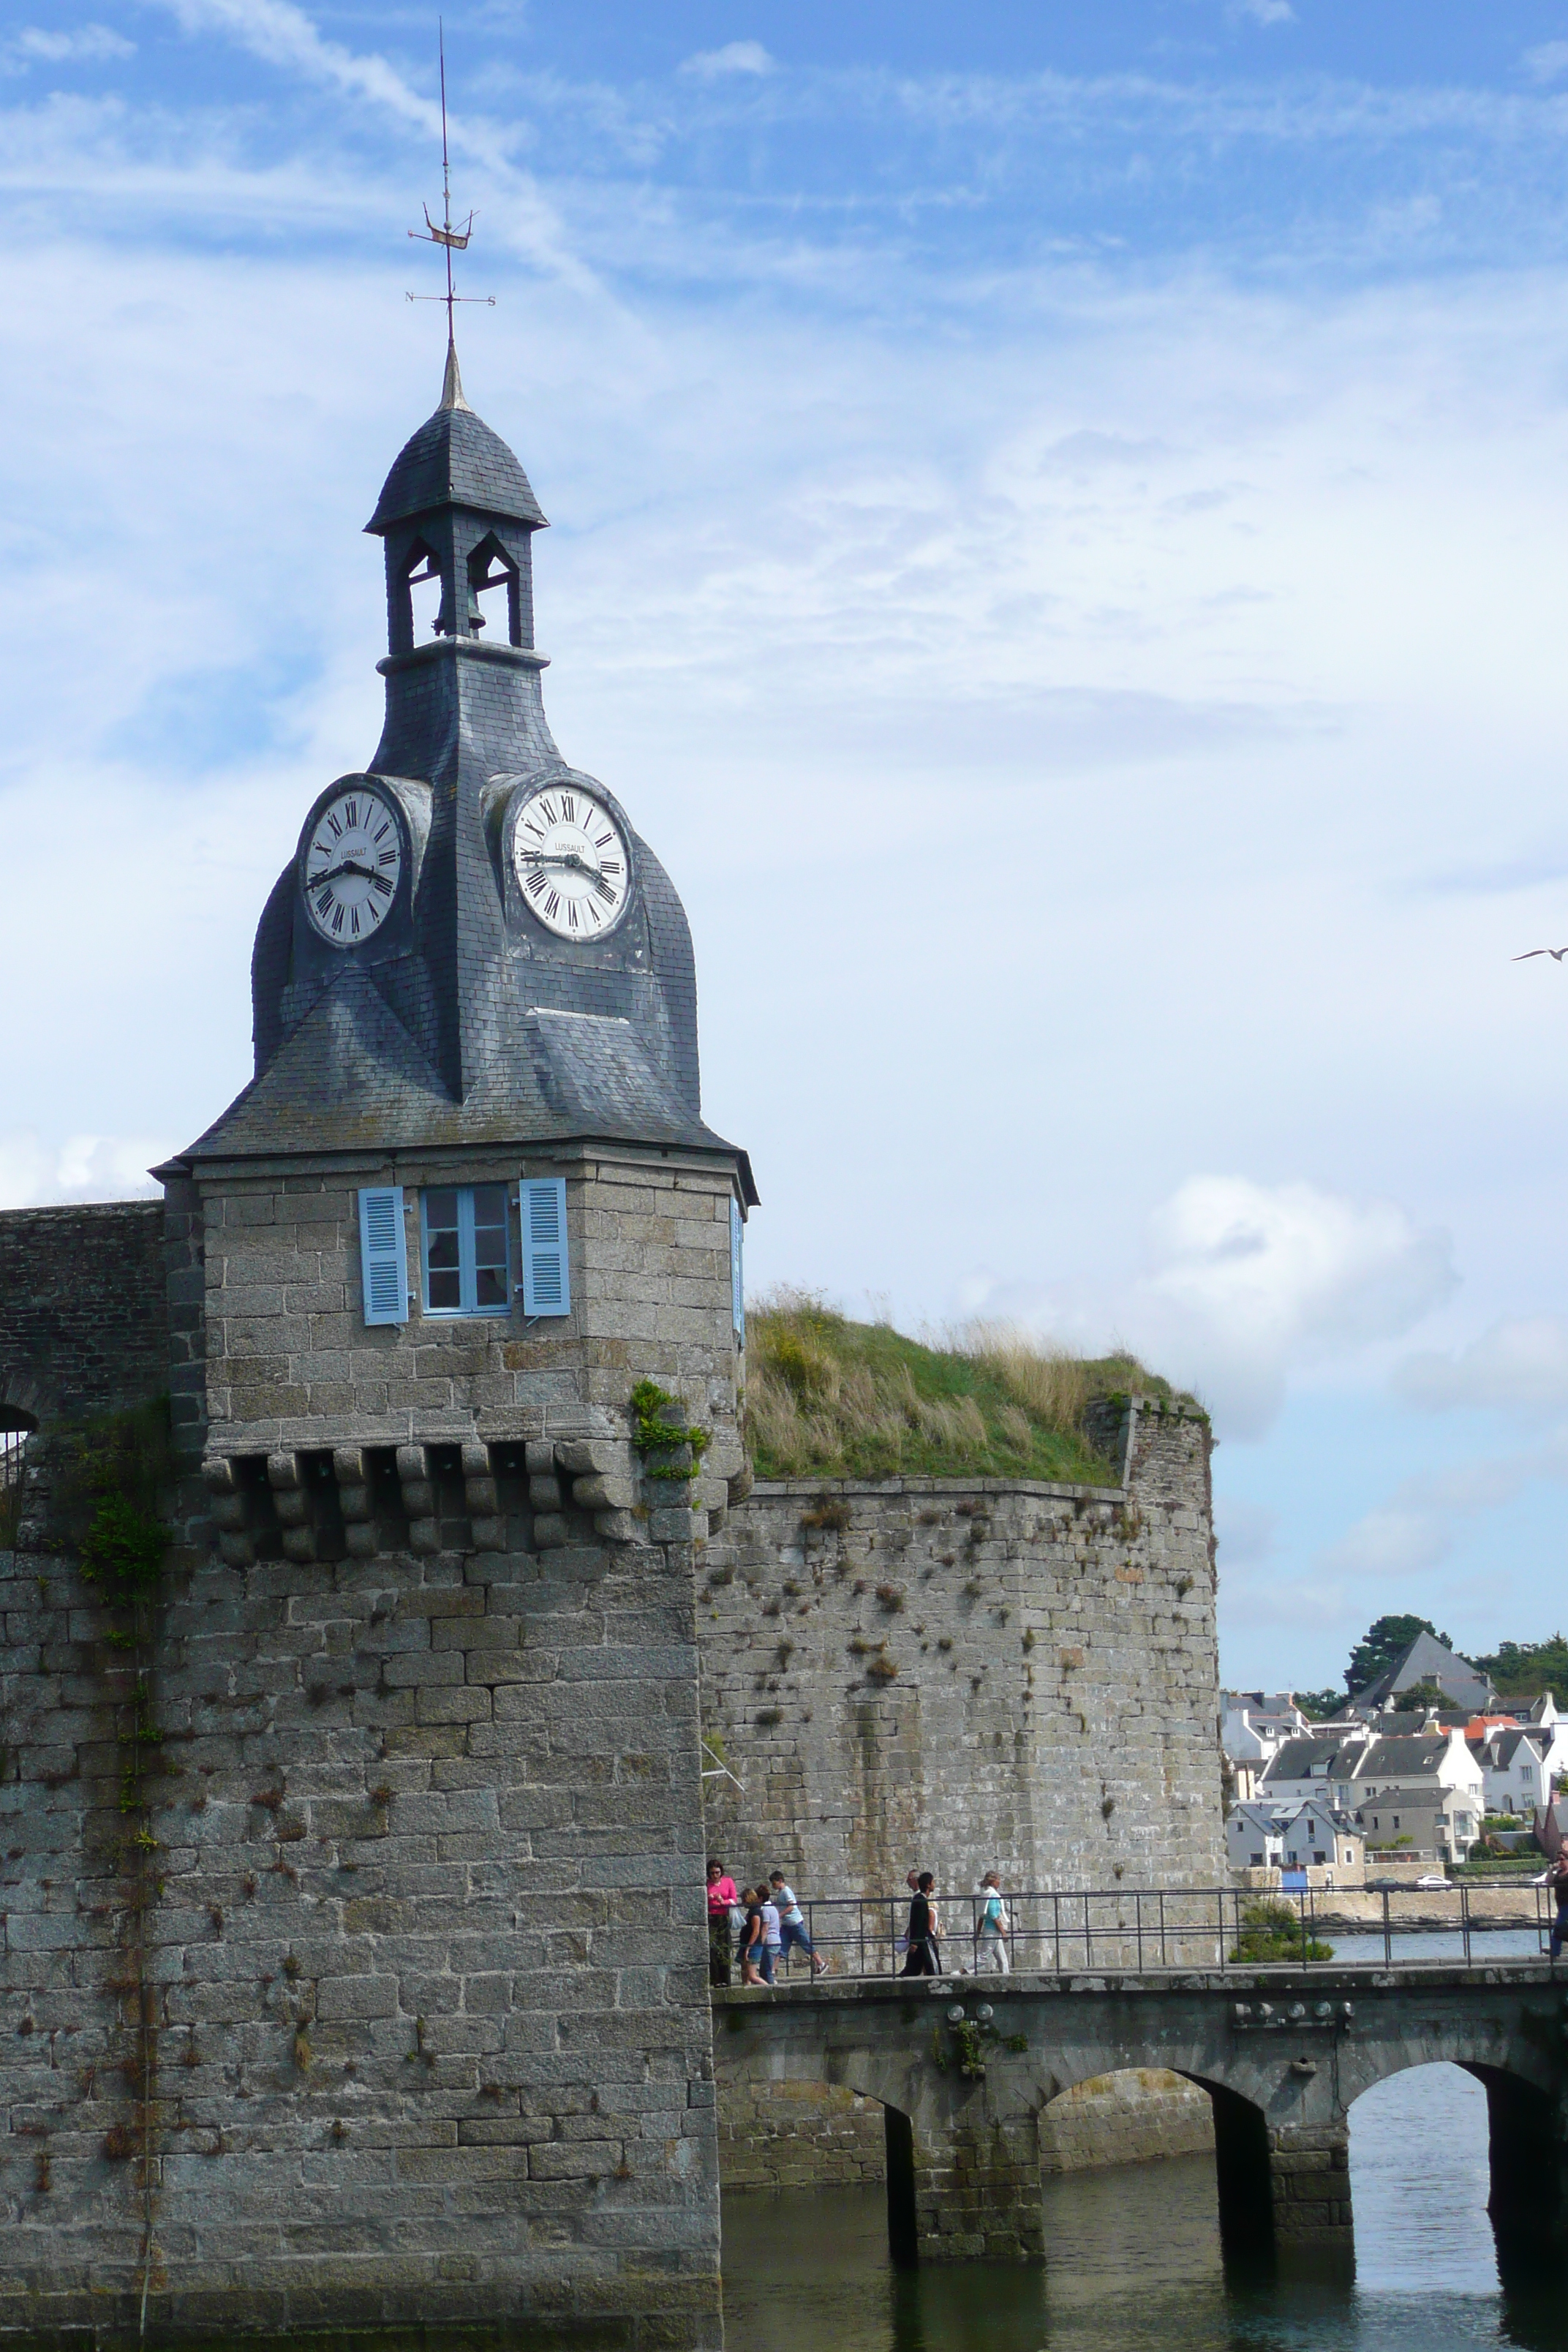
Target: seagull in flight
1556	954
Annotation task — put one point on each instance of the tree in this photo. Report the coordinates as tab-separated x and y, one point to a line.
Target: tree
1521	1669
1319	1705
1383	1645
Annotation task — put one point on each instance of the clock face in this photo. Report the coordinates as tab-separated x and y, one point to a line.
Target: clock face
571	863
353	864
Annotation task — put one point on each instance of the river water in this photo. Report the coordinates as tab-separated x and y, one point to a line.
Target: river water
1133	2260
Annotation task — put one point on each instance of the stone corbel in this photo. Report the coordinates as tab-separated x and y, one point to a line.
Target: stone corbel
235	1549
354	1501
483	1500
292	1504
418	1498
604	1481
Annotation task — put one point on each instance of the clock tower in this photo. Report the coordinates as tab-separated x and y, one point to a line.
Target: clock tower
459	1347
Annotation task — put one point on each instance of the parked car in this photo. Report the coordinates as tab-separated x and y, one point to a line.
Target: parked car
1430	1885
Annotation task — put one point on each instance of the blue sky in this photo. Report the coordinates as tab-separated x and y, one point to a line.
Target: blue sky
1057	526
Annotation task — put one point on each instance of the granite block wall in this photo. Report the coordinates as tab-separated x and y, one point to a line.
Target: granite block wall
289	1361
353	1960
1136	2116
795	2135
84	1324
382	1998
958	1678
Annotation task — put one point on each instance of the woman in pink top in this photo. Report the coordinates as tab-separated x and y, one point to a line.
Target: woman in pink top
722	1899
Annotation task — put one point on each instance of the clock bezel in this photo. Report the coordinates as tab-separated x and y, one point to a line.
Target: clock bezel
522	799
374	788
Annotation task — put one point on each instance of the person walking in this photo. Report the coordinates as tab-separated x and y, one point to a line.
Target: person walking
924	1954
773	1935
1557	1879
752	1943
792	1923
721	1901
991	1955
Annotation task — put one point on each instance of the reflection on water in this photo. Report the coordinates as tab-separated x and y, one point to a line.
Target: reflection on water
1133	2261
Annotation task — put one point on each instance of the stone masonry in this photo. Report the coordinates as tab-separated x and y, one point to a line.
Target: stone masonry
967	1676
408	2010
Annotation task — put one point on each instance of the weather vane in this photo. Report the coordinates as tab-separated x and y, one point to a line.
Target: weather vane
455	240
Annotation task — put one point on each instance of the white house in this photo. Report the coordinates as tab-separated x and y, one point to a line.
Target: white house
1312	1835
1254	1726
1422	1792
1254	1836
1520	1761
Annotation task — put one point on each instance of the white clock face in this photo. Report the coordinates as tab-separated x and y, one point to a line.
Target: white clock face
571	863
354	861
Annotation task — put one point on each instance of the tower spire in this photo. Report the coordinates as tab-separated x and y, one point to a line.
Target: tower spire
452	240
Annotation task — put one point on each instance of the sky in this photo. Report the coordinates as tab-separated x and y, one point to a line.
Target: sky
1057	541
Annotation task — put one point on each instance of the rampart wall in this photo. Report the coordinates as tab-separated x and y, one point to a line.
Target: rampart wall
967	1676
84	1319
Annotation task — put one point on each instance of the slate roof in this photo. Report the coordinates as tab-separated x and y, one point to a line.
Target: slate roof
1426	1659
1407	1755
351	1078
455	459
1500	1748
1296	1759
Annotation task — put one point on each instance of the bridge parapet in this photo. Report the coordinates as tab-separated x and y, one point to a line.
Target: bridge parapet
965	2066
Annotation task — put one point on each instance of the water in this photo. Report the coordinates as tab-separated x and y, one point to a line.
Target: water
1134	2262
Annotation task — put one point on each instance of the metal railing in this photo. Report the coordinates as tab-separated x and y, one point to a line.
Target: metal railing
1143	1928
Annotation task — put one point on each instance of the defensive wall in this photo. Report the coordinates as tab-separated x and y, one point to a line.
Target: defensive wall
84	1315
925	1673
960	1676
352	1967
351	1922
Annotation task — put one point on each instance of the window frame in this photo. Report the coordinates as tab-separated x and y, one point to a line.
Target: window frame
468	1269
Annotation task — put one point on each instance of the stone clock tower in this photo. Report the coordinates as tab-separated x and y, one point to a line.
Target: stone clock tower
465	1205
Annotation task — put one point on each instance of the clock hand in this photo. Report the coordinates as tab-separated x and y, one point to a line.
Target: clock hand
568	858
313	881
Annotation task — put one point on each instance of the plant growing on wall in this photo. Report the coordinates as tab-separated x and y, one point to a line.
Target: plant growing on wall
660	1436
968	2038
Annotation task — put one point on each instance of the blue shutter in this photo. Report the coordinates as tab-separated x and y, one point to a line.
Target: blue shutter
737	1278
546	1276
384	1263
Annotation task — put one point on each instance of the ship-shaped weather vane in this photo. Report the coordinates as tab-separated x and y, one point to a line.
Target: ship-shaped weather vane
453	240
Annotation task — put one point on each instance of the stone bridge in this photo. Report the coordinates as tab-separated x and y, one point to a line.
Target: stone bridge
963	2070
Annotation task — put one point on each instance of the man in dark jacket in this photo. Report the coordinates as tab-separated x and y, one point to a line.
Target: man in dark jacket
924	1954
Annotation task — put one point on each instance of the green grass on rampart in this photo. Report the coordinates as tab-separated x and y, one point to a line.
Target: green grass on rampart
829	1397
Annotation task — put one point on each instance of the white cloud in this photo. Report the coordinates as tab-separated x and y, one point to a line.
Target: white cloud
283	35
34	1174
734	58
87	45
1548	61
1264	12
1520	1364
1418	1526
1250	1278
